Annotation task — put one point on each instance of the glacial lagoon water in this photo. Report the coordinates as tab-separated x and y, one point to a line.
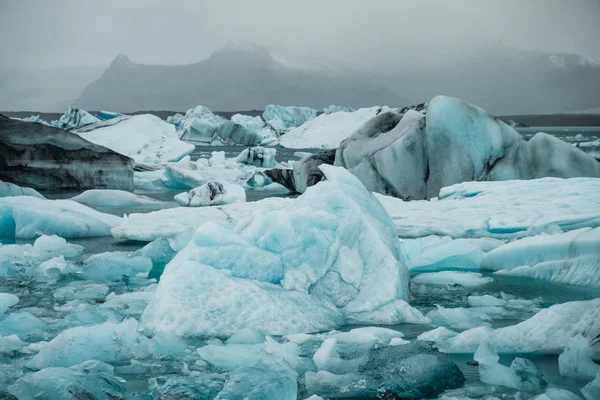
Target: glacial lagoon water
38	299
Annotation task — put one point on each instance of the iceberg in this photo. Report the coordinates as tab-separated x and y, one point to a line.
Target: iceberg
522	374
7	300
109	342
415	370
169	222
283	118
200	125
8	189
334	246
571	258
106	115
145	138
458	318
549	331
333	109
327	131
22	324
27	217
212	193
501	210
258	157
412	155
90	379
44	157
75	118
438	253
112	198
576	361
34	118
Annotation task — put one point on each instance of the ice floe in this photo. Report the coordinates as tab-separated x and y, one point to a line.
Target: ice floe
212	193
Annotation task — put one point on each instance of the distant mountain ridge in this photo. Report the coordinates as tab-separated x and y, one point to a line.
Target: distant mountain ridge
232	78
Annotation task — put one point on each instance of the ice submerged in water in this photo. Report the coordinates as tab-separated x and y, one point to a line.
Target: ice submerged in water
331	256
212	193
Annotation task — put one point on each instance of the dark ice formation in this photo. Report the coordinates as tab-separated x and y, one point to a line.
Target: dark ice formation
43	157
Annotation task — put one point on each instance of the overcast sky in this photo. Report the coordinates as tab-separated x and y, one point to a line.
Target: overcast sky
37	33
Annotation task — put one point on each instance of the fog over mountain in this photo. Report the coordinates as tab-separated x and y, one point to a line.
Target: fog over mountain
508	56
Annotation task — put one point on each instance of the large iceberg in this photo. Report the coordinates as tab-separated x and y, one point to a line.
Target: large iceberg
27	217
200	125
328	130
112	198
283	118
334	248
44	157
412	155
570	258
145	138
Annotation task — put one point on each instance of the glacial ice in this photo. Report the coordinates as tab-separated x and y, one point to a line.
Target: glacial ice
576	361
7	300
327	131
104	115
548	331
112	198
212	193
90	380
522	374
414	370
172	221
438	253
570	258
27	217
501	210
115	266
333	109
109	342
8	189
26	259
412	155
200	125
75	118
258	157
283	118
22	324
458	318
145	138
346	255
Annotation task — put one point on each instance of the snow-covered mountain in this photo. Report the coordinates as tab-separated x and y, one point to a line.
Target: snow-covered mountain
235	77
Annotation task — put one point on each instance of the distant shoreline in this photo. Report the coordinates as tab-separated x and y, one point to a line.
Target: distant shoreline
527	119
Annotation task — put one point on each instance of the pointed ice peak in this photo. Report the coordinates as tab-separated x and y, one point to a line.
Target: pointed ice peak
122	61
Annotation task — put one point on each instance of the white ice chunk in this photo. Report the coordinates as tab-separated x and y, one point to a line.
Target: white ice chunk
522	374
501	210
571	258
284	118
7	300
436	253
113	266
548	331
8	189
458	318
258	157
92	379
576	361
75	118
327	131
22	324
554	393
27	217
439	334
112	198
109	342
212	193
145	138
